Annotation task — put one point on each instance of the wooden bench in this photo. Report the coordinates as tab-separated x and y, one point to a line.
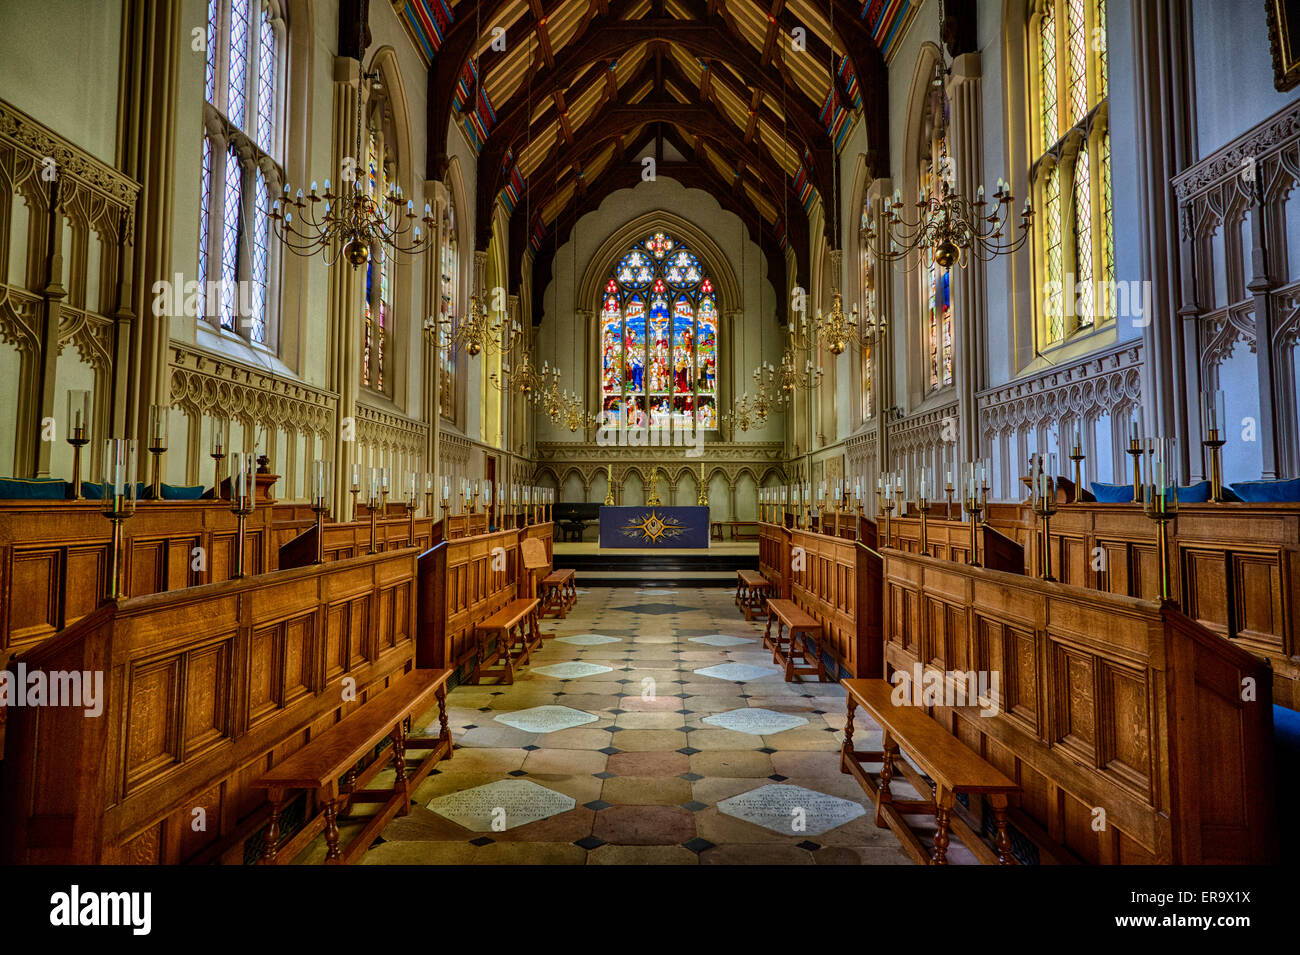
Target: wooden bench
559	592
954	768
327	768
803	639
515	623
752	591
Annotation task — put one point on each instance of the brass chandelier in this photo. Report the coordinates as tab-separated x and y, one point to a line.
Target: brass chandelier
352	223
949	227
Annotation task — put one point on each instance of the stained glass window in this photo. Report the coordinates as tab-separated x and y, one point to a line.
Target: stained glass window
239	173
266	82
868	310
447	314
378	307
261	253
1083	240
939	314
205	220
230	241
1074	237
1047	78
659	339
1052	218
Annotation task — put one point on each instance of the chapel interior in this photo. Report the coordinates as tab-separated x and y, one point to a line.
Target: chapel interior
649	431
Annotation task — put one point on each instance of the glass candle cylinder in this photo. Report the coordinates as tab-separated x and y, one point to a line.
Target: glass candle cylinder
158	415
78	416
320	484
119	485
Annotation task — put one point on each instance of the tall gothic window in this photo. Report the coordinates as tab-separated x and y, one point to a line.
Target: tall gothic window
1070	171
936	290
377	310
239	170
868	310
659	339
450	261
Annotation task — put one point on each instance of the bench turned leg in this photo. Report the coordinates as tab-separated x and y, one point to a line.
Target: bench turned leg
767	631
332	854
1001	840
400	784
443	728
943	804
271	847
846	753
889	749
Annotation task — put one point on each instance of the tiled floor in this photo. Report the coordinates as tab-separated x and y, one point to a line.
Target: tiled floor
646	759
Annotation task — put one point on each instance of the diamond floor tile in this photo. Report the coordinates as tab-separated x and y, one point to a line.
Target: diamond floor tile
588	639
546	719
791	810
571	670
738	672
502	805
720	640
754	720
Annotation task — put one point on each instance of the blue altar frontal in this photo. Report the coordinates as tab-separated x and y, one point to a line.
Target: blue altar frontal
665	528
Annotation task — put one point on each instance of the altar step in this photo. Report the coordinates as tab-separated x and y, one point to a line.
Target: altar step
658	570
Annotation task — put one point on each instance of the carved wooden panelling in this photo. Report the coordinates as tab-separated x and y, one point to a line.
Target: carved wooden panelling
153	690
1075	695
207	693
38	576
1126	727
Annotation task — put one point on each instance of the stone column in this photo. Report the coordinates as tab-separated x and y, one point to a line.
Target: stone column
151	54
344	302
726	397
879	192
431	403
965	143
1162	81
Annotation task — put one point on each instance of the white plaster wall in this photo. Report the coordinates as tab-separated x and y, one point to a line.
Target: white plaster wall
59	64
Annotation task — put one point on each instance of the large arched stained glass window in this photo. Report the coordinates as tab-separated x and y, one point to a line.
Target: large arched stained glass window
659	339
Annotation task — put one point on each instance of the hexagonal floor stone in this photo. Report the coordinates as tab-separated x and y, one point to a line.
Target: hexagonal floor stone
753	720
517	801
791	810
655	593
571	670
546	719
588	639
720	640
738	672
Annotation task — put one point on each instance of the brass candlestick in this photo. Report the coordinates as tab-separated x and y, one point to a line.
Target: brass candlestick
888	507
974	508
243	499
947	493
374	522
923	505
1135	450
1045	506
157	446
1215	443
218	454
78	438
1077	456
119	498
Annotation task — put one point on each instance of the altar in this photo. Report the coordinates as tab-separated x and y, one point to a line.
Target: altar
654	526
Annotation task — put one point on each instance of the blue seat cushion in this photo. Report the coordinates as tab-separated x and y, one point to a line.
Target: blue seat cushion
171	492
33	489
1112	493
95	492
1194	493
1259	491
